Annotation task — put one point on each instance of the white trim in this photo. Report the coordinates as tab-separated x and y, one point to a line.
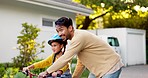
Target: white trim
60	6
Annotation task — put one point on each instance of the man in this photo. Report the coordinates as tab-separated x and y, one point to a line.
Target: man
93	53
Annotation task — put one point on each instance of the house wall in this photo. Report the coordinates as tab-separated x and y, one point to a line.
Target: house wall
132	44
13	14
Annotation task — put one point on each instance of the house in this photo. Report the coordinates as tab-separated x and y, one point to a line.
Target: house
41	13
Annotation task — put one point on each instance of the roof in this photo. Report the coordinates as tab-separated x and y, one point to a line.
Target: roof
69	2
66	5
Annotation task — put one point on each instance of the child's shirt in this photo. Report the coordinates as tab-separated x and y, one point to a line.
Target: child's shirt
48	62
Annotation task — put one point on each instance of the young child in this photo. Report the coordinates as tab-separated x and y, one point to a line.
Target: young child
58	48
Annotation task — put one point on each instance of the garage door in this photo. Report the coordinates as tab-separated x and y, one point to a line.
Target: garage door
135	47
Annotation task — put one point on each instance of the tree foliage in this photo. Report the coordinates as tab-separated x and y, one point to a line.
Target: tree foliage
103	7
27	45
118	20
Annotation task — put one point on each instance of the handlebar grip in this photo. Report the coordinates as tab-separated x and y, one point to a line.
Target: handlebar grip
58	75
26	72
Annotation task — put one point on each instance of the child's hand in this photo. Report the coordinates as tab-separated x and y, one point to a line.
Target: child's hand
28	68
25	69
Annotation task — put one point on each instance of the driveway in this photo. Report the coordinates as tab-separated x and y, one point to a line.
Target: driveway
138	71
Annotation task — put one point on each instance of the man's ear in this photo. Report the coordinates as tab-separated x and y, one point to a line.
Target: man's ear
70	28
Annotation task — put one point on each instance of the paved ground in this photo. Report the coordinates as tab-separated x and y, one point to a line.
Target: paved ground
138	71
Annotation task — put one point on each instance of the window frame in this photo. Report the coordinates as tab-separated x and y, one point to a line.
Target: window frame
47	28
47	19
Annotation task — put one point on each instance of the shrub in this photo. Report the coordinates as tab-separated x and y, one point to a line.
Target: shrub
20	75
27	45
2	70
37	71
10	72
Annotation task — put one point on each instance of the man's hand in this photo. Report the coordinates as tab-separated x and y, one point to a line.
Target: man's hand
42	74
54	74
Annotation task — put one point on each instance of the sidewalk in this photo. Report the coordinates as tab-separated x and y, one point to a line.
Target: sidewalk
138	71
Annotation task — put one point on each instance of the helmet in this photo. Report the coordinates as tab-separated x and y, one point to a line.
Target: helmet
55	38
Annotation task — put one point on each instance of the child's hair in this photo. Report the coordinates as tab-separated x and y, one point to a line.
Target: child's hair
64	21
64	43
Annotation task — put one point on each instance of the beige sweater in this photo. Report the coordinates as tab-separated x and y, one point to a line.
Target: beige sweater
97	56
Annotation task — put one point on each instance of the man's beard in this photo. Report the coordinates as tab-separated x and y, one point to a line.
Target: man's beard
68	36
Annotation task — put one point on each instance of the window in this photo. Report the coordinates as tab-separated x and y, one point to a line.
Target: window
47	22
113	41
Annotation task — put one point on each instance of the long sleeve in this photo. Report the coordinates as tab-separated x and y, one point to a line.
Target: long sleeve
78	70
44	63
48	62
65	68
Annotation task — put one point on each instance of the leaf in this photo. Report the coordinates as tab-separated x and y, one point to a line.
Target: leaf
20	75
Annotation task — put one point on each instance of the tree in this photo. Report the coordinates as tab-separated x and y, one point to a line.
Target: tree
102	7
27	45
138	21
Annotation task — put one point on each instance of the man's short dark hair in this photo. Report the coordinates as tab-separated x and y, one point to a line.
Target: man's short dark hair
64	21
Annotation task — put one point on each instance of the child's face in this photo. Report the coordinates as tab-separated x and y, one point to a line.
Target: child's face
56	47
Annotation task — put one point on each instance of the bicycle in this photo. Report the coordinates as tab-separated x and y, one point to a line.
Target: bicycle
28	73
31	75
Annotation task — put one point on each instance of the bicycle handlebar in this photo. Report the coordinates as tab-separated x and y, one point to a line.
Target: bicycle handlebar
28	73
